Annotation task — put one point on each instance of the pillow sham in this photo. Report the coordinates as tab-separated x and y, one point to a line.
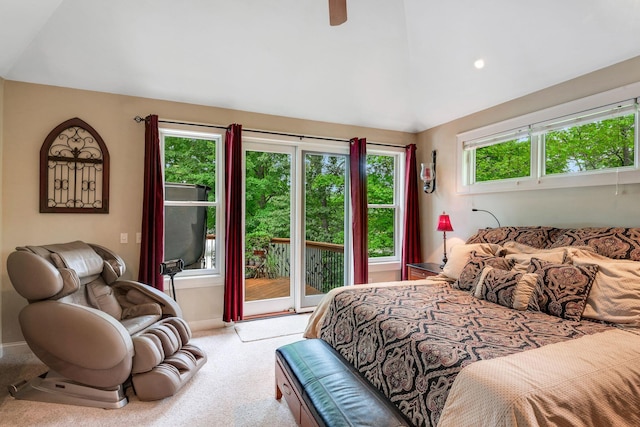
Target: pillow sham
561	289
613	242
473	268
615	294
460	255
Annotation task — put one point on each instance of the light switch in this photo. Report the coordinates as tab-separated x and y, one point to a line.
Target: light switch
124	237
138	237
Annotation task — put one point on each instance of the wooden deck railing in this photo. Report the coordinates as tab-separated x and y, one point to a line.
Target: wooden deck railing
324	262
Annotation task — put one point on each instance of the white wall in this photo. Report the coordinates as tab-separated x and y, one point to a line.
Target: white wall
569	207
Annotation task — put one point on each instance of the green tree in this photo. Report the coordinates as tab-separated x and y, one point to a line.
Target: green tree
599	145
508	159
192	161
380	191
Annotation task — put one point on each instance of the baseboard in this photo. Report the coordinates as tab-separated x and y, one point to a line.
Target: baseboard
203	325
14	348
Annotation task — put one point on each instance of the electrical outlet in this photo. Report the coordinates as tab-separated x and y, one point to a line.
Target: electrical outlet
124	237
138	237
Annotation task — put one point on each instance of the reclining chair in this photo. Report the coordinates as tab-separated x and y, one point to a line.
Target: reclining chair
97	333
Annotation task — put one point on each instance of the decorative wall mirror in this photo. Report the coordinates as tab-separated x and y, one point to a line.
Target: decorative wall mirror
74	170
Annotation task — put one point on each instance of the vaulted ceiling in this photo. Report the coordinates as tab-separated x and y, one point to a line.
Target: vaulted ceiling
395	64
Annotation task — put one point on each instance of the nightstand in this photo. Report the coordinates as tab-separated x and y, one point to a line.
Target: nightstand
422	270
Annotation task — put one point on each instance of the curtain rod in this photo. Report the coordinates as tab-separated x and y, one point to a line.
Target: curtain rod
139	119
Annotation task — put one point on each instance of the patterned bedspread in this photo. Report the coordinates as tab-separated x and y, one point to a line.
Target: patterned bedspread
411	341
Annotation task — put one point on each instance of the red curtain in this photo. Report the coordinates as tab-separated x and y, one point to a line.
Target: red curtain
234	268
358	175
411	252
152	245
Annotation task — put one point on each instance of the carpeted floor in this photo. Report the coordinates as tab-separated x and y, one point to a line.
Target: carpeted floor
236	387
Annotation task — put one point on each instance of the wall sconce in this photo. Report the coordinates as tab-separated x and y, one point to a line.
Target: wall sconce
482	210
444	225
428	174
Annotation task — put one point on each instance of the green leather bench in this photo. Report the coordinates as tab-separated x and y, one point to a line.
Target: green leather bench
323	389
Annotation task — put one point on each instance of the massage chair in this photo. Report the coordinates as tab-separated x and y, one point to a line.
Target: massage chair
96	333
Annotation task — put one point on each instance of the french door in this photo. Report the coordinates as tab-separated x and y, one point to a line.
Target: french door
269	219
295	221
325	235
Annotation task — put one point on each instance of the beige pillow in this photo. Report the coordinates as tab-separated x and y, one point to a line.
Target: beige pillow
615	293
521	248
522	261
460	255
522	255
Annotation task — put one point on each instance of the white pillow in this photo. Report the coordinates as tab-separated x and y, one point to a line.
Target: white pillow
615	293
460	255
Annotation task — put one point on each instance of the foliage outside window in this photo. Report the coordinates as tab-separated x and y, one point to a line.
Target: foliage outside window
596	141
604	144
509	159
191	202
382	208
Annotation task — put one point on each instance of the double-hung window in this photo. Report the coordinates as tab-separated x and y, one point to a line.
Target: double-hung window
384	200
192	204
592	146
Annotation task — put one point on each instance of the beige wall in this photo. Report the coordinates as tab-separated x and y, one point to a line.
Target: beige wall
2	204
32	111
586	206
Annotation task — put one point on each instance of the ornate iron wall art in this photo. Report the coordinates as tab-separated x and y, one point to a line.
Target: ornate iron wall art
74	170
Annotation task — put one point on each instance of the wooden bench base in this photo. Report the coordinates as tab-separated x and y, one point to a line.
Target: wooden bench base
322	389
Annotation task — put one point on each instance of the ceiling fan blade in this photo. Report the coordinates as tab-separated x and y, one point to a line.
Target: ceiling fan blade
337	12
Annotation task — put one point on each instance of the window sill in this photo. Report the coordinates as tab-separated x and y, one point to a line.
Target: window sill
192	282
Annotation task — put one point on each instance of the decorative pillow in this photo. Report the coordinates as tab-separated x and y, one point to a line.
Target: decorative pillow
524	290
612	242
472	269
615	294
561	289
460	255
497	285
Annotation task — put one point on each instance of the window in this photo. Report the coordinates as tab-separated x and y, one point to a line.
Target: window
191	176
594	146
383	206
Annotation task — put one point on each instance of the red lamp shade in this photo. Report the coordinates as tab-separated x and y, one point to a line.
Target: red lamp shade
444	223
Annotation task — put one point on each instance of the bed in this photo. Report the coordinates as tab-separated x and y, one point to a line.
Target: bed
525	326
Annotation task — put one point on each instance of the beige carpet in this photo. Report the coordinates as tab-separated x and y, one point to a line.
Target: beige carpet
236	387
256	330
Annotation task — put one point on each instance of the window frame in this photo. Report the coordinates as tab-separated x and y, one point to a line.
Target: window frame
217	269
532	123
398	200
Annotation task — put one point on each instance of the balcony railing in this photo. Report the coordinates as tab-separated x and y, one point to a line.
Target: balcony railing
324	262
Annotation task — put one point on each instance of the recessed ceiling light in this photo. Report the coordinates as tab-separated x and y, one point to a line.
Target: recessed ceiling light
479	64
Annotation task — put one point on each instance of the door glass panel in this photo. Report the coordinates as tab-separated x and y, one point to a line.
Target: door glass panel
325	213
267	226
